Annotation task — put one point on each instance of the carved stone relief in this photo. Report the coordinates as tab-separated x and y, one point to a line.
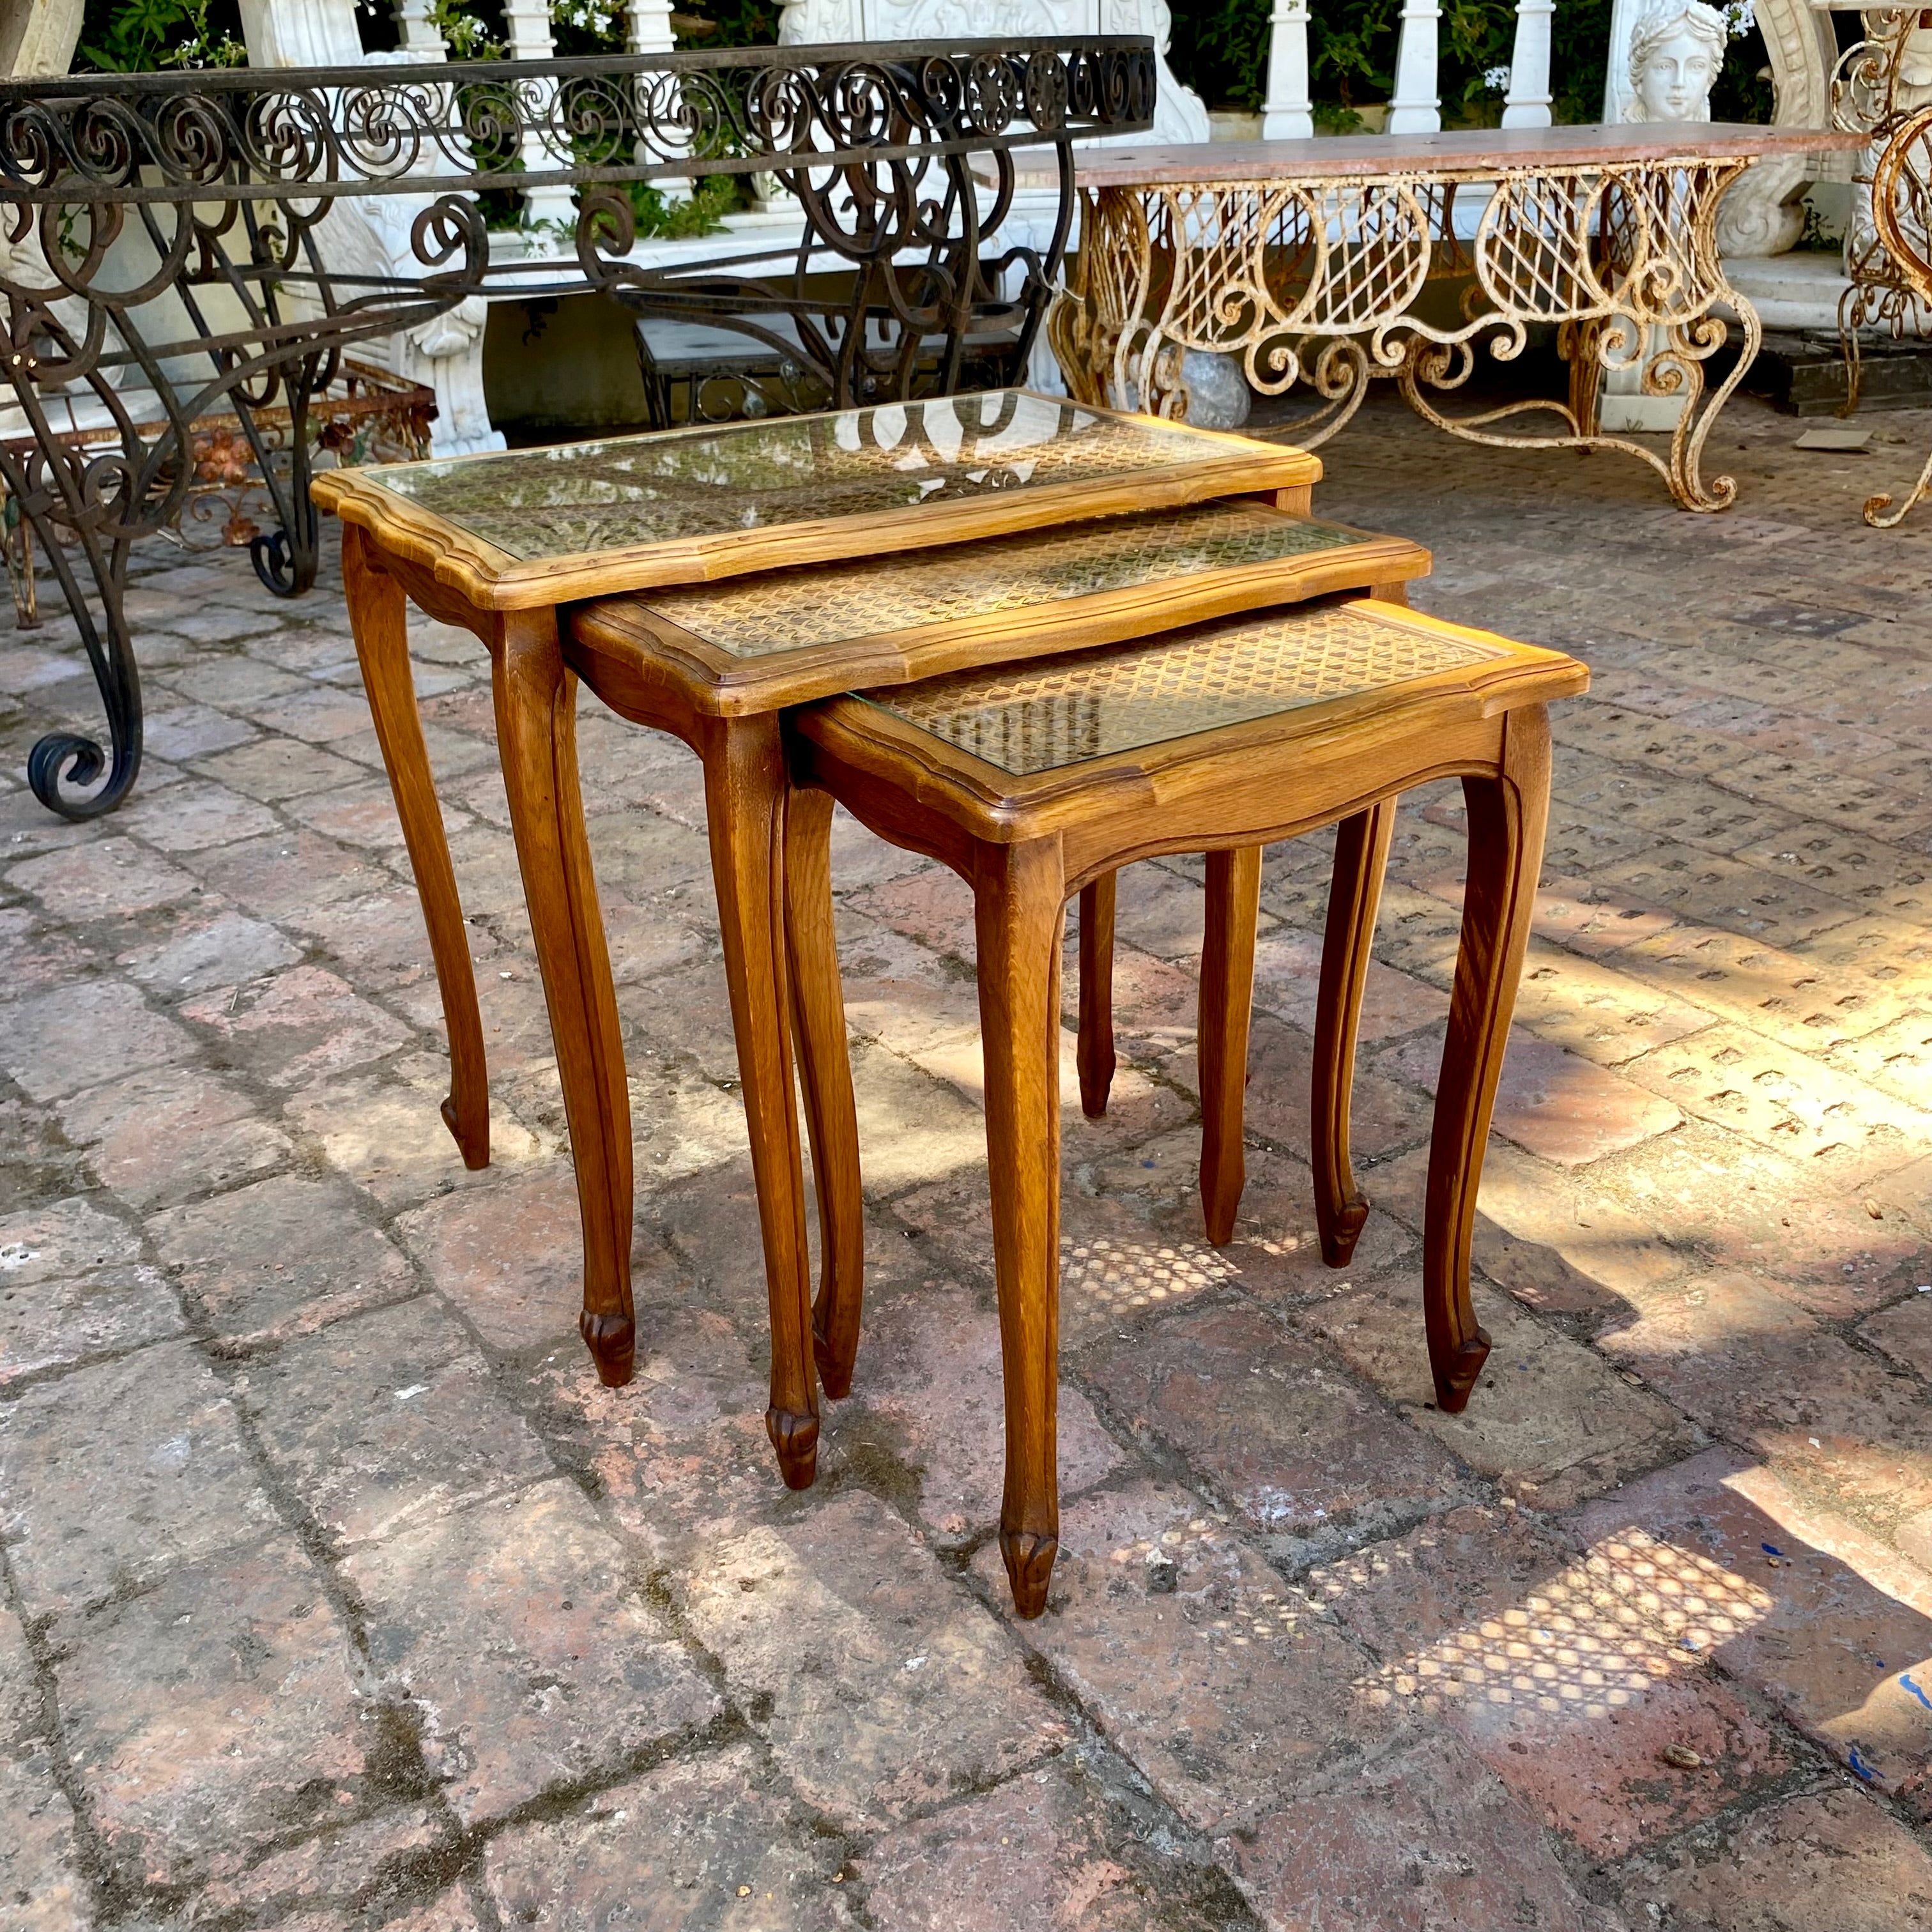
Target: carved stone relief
37	36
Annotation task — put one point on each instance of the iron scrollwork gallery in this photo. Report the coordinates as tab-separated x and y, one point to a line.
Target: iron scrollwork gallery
172	252
1318	282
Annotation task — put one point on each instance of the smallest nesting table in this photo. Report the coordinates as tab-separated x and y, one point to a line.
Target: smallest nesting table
1031	782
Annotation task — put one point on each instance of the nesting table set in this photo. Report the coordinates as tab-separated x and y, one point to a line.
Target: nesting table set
1036	640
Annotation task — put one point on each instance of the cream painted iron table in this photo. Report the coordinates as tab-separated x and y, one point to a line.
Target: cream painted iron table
1309	260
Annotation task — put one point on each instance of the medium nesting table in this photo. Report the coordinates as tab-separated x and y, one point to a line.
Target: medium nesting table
1127	526
1030	781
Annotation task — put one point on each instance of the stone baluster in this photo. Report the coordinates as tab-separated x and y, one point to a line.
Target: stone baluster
1287	116
1415	109
526	27
1528	105
647	28
416	32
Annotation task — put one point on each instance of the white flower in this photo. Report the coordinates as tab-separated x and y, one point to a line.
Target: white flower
1497	78
1740	16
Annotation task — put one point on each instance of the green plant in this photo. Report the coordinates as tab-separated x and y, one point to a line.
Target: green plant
1221	49
140	36
467	37
702	212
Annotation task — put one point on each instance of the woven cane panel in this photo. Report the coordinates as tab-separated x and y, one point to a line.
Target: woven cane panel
1102	702
755	616
585	497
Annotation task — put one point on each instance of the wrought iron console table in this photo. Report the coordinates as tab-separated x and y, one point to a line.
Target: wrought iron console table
178	246
1309	260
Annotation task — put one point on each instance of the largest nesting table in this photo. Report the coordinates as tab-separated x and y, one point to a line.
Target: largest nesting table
1047	526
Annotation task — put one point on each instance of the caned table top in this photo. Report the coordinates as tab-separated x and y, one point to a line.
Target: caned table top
789	636
525	528
1306	668
1470	153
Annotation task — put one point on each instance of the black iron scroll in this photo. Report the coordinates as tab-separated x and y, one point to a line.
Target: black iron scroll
166	256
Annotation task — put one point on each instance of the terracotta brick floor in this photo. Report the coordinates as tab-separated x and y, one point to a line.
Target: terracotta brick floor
337	1593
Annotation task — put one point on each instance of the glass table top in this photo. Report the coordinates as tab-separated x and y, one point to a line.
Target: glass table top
1129	697
792	610
585	497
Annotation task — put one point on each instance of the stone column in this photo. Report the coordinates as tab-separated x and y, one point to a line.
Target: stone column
647	28
301	33
1415	108
1528	103
526	27
1288	116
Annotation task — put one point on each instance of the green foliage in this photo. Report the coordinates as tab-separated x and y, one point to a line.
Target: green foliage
1743	91
1580	59
1220	48
658	218
466	35
140	36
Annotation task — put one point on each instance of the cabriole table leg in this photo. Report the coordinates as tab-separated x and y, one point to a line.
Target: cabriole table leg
1227	1004
825	1079
536	733
1354	895
1507	816
379	617
1019	908
744	798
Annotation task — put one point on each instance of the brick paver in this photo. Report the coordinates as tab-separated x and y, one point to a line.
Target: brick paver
338	1595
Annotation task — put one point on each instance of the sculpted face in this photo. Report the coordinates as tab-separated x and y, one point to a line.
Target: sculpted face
1674	79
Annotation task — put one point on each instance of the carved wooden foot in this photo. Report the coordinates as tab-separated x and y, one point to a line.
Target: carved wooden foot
1343	1230
612	1340
795	1438
1028	1555
473	1142
1455	1375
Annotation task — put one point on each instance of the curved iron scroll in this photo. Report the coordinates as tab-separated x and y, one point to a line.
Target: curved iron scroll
173	250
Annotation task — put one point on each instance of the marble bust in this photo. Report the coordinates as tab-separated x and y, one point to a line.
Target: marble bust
1676	49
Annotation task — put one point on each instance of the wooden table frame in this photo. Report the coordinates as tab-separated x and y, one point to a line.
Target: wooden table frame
1308	260
728	709
1024	845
